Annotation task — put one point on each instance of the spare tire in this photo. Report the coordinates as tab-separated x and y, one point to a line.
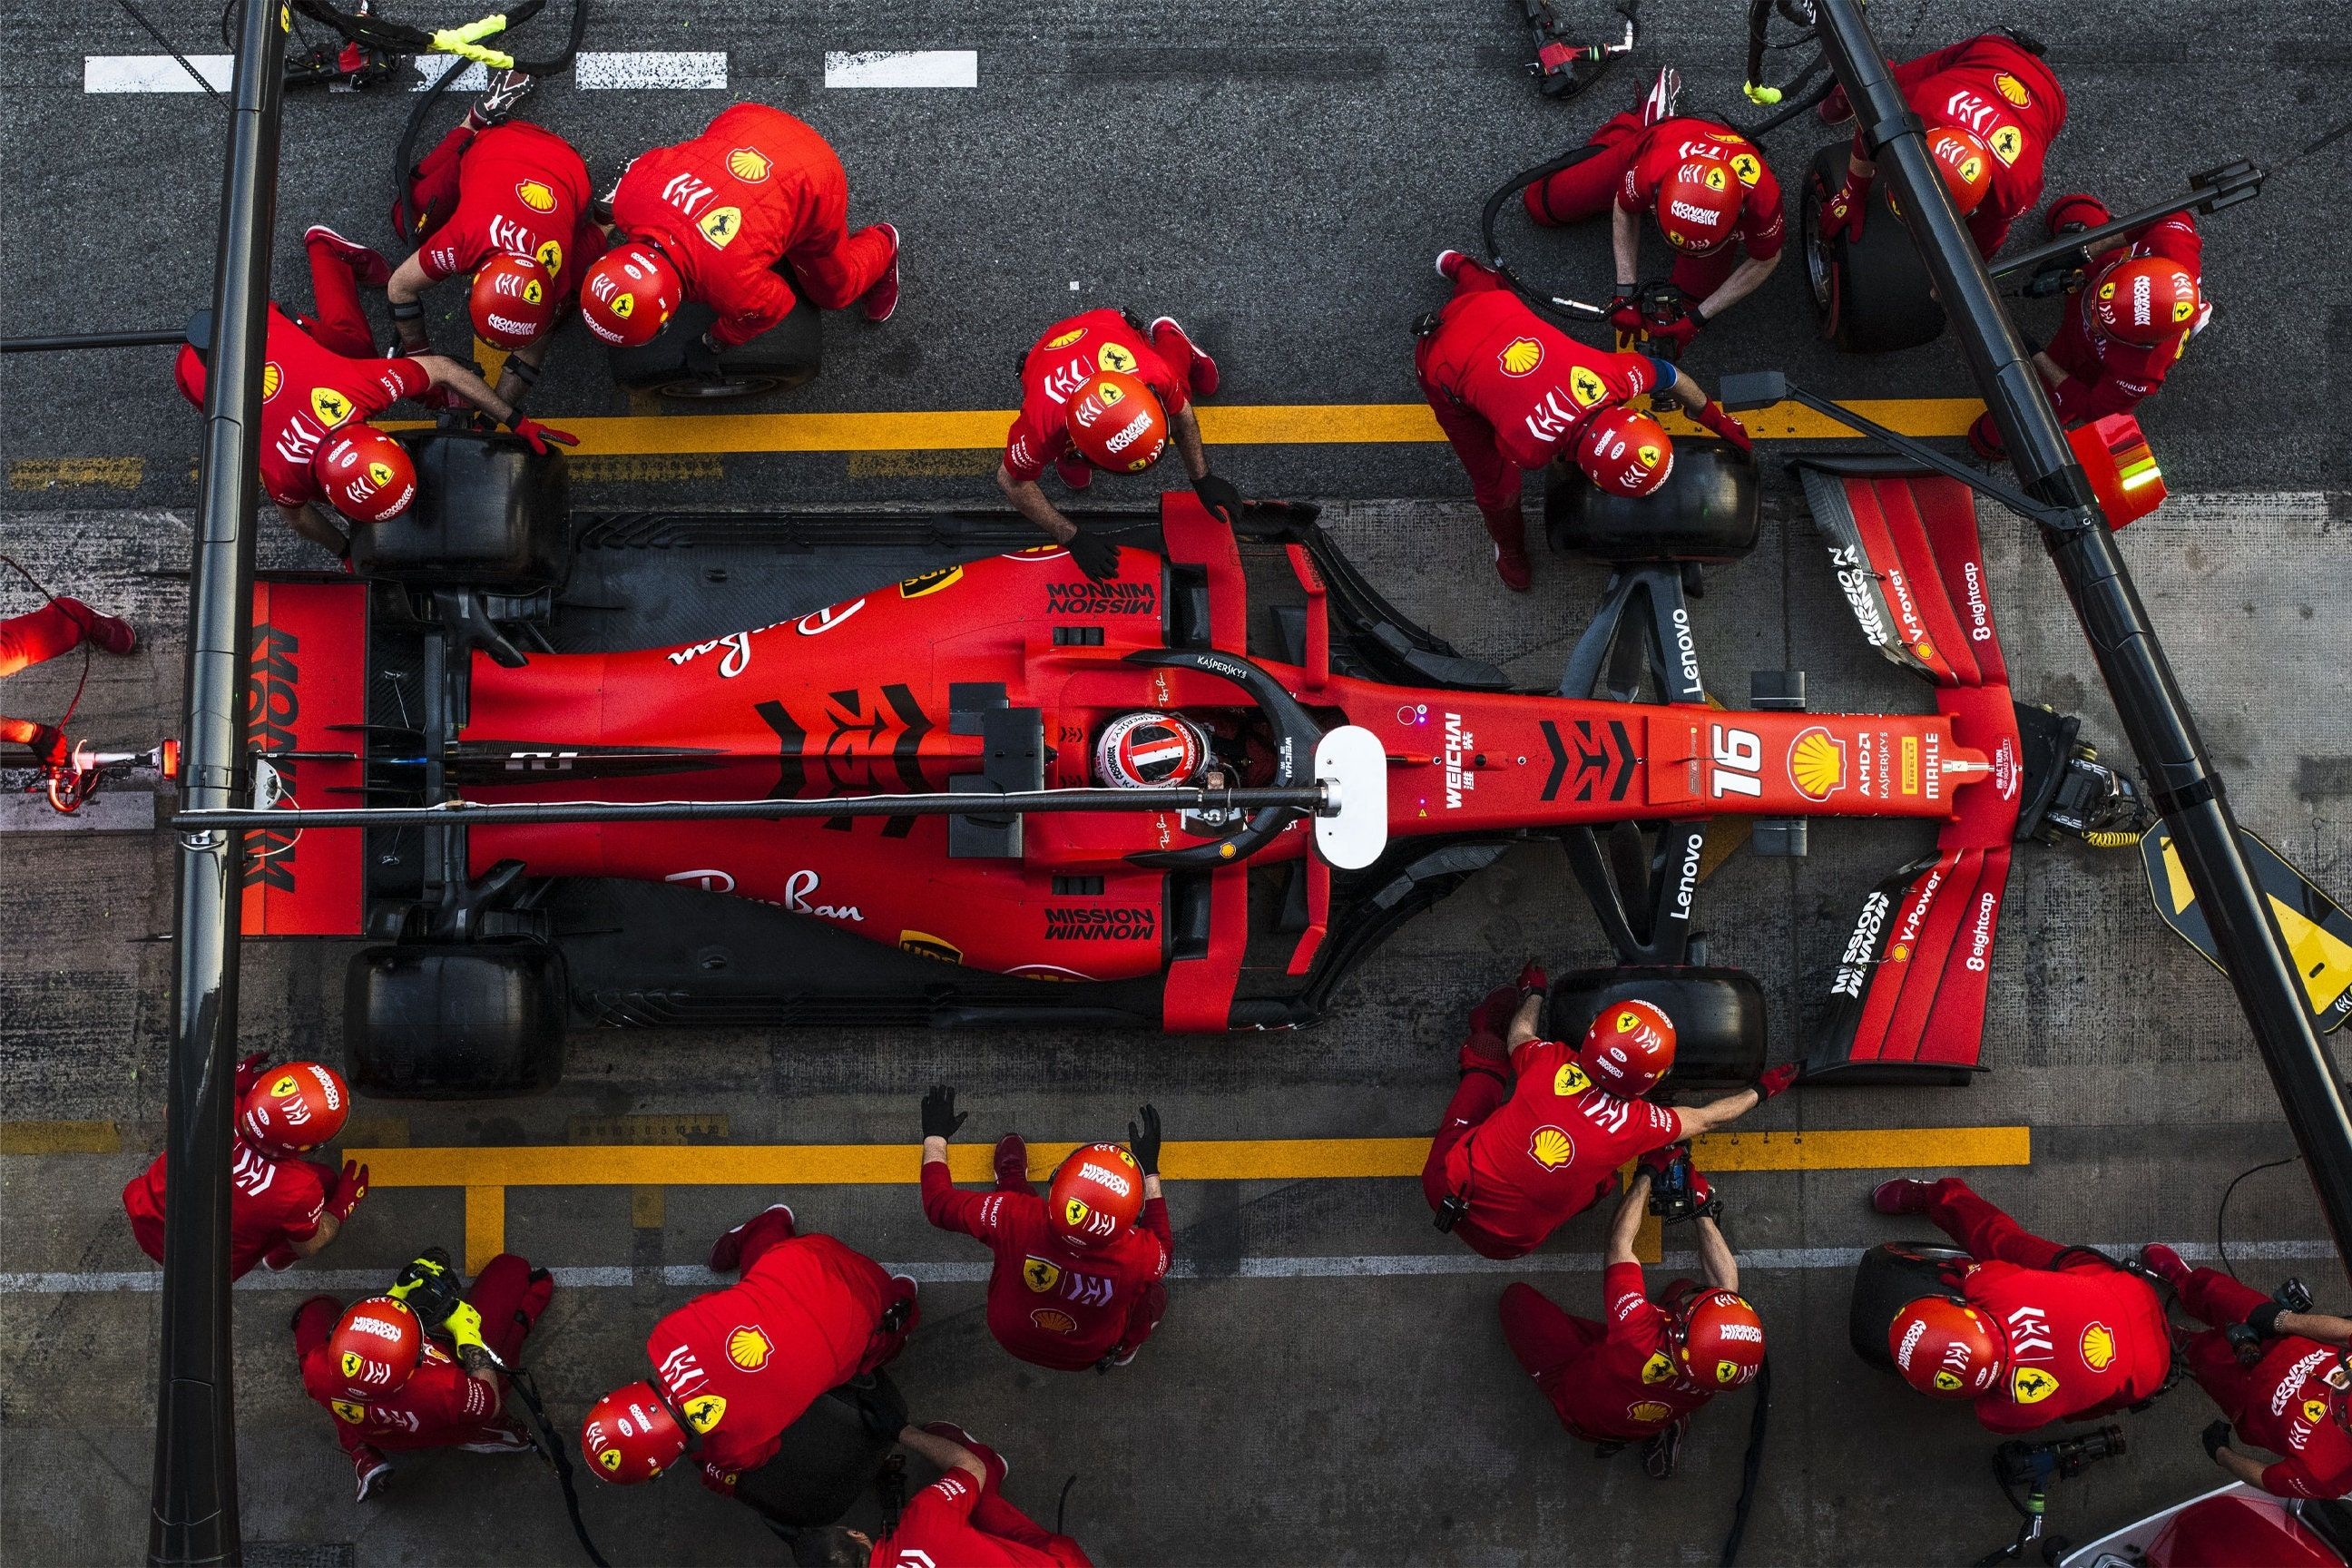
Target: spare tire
1704	512
1874	294
782	357
490	514
1890	1277
455	1020
1719	1014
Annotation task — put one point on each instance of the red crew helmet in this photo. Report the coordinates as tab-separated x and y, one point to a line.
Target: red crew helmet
295	1109
1095	1195
512	302
1965	163
1116	424
2144	300
628	295
1625	453
630	1435
1946	1348
1628	1049
375	1347
1698	206
1722	1343
366	475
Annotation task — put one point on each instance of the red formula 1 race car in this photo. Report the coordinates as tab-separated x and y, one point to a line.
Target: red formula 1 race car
499	651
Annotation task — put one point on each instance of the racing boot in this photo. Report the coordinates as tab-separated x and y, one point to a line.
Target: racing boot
1662	1452
503	1440
883	297
1904	1194
108	632
1664	94
2080	211
370	1470
996	1464
1201	371
507	90
726	1252
1449	264
1512	565
1076	471
1012	1164
2165	1264
368	266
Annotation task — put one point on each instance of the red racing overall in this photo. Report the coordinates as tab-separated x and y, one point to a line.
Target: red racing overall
1512	392
2103	375
511	190
2085	1337
743	1363
1050	1303
1638	160
37	637
756	187
958	1522
1613	1382
1994	87
2284	1402
272	1201
440	1406
1068	355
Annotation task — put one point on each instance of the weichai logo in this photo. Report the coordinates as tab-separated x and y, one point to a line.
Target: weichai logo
1067	924
273	701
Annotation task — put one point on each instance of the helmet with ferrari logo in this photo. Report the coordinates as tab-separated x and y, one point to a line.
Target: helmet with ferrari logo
294	1109
1946	1348
366	475
1151	750
1116	423
629	293
630	1435
1965	163
1628	1048
1624	453
1722	1340
375	1347
2145	301
1698	206
512	301
1094	1195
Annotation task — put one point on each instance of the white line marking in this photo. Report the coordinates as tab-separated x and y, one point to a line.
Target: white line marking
1358	1266
153	73
474	77
650	68
902	67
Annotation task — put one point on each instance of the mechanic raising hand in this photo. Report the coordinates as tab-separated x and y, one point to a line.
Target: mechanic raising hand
1078	1277
1100	391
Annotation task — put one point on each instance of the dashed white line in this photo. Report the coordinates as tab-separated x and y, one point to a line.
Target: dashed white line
591	71
902	67
154	73
650	68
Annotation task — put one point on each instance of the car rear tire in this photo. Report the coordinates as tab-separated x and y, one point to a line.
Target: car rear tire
1890	1277
1719	1015
489	513
1704	512
1872	295
455	1020
784	357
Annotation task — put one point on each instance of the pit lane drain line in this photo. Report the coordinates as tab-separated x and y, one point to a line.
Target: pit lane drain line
1361	1266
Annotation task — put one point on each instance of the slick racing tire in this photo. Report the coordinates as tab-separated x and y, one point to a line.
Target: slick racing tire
784	357
490	514
1872	294
1890	1277
1719	1016
1704	512
455	1020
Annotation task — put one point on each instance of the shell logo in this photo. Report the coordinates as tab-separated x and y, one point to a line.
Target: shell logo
534	194
1067	339
1659	1368
1550	1148
1521	356
2007	142
1900	953
1648	1412
1570	1079
748	165
1115	357
1817	764
2031	1385
749	1347
270	377
922	943
2098	1347
2010	87
1054	1321
705	1411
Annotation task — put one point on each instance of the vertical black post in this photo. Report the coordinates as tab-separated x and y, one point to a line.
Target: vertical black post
2154	717
193	1507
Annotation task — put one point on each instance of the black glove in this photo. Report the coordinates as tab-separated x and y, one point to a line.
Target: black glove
941	1117
2264	1319
2217	1437
1144	1143
1097	557
1223	502
702	356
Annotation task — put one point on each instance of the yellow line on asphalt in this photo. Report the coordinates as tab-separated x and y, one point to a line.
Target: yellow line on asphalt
60	1138
50	473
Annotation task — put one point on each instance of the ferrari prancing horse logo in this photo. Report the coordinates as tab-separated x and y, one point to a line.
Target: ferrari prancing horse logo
1040	1276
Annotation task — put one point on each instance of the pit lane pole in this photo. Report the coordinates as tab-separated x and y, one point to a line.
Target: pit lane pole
2156	716
192	1517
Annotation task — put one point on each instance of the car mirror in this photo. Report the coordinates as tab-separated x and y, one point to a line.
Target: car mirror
1751	389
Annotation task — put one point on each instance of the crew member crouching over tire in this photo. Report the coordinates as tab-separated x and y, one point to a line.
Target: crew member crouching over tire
960	1520
2031	1331
281	1206
1512	392
1078	1278
1537	1129
733	1368
1638	1375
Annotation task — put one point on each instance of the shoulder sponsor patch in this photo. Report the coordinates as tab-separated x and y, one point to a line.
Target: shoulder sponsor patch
1659	1368
1115	357
705	1411
2098	1347
536	196
1585	386
1521	356
2032	1385
1039	1274
1065	340
2007	142
1748	166
749	1347
1570	1079
719	225
550	256
1552	1147
2010	87
332	408
1648	1412
748	165
347	1411
270	378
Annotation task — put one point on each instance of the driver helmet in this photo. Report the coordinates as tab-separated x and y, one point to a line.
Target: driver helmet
295	1109
1628	1049
511	301
1151	750
1698	204
1624	453
1116	423
628	294
1947	1349
375	1347
1965	162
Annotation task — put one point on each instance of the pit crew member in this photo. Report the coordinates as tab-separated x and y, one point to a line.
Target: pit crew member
961	1519
1713	195
1638	1375
281	1206
1099	391
1077	1281
733	1368
2288	1394
2031	1331
1991	109
708	220
1513	392
391	1384
1537	1128
2139	304
39	636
